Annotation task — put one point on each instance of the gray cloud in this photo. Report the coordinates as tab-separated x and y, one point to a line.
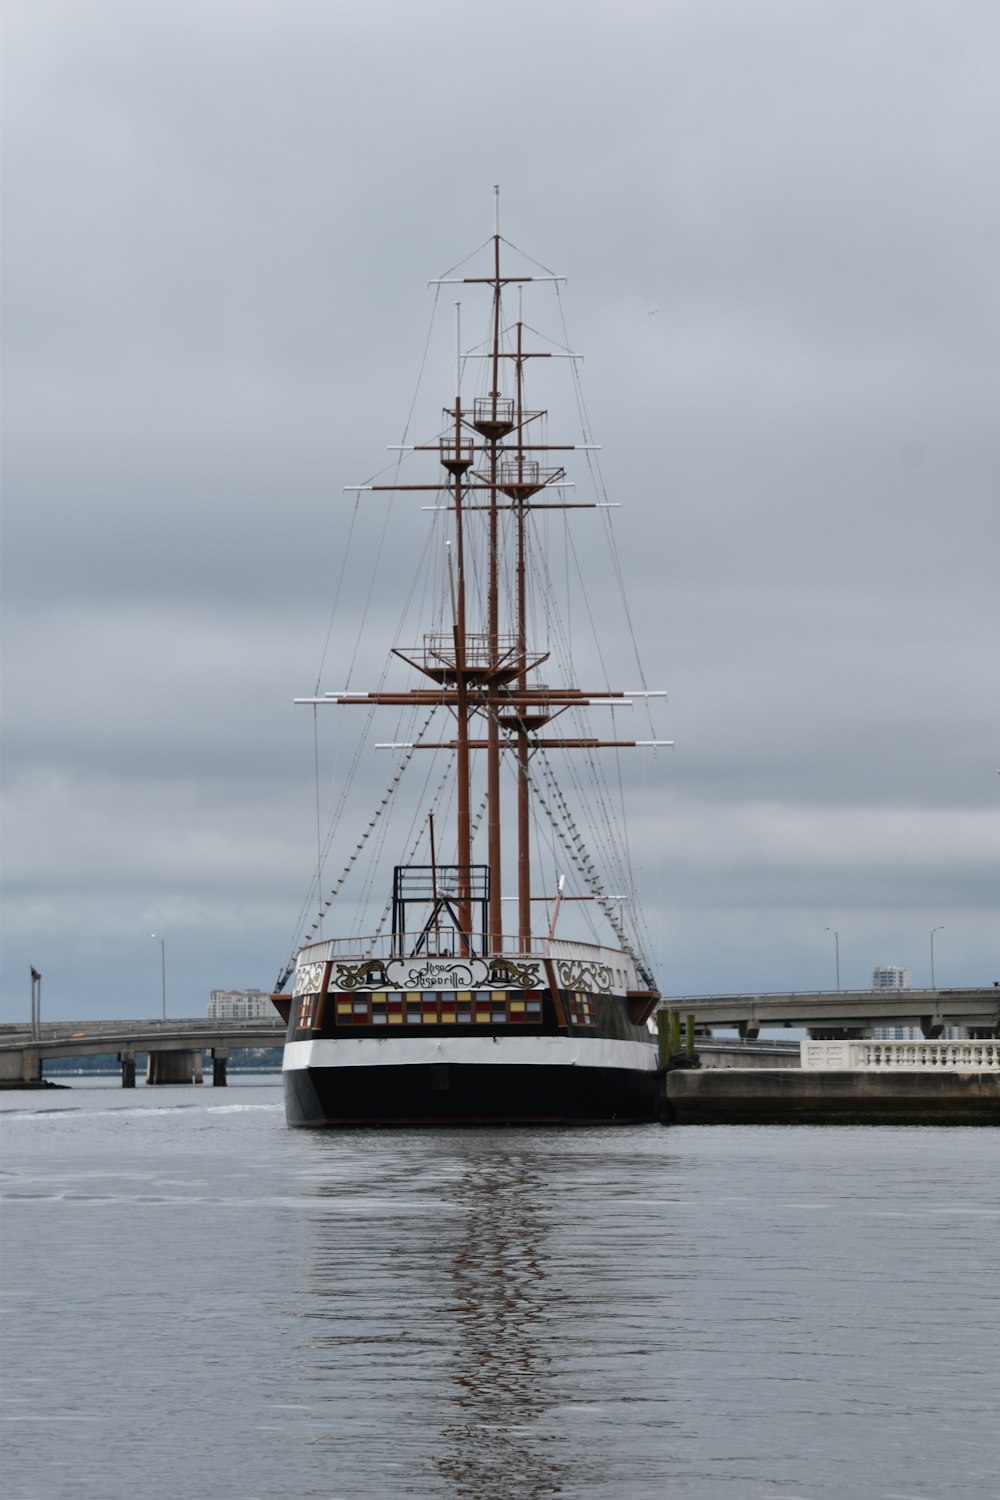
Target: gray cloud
780	226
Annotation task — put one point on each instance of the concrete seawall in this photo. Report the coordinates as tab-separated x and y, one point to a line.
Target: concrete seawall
772	1096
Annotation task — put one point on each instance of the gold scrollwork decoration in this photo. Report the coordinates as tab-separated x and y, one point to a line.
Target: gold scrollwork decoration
519	976
367	975
579	974
308	979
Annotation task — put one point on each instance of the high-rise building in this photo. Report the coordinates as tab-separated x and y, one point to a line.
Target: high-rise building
895	977
890	977
240	1005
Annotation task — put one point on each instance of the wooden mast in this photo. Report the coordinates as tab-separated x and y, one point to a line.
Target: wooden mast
494	849
457	460
523	798
462	768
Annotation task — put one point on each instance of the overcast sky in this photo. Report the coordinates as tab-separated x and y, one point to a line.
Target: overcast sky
780	221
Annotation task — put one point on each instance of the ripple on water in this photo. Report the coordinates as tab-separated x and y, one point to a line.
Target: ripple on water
707	1315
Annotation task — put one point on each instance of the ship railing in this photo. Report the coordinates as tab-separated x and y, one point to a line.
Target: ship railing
480	652
450	945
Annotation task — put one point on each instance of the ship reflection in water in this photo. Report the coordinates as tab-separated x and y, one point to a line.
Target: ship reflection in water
502	1371
428	1290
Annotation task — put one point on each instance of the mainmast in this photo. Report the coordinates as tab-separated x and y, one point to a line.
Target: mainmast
523	797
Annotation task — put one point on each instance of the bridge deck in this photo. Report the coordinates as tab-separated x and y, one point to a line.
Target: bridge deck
87	1038
978	1008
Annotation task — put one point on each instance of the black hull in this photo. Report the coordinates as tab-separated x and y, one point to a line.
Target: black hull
469	1094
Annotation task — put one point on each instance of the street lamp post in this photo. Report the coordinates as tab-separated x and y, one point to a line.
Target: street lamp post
163	972
836	949
36	1003
939	928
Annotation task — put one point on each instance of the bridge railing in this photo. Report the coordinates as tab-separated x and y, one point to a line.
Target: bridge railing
965	1055
677	1002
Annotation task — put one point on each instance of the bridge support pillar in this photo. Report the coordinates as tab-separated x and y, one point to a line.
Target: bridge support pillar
749	1031
220	1056
931	1028
22	1068
174	1067
127	1060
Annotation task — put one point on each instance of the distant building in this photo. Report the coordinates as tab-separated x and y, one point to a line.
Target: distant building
895	977
914	1034
240	1005
891	977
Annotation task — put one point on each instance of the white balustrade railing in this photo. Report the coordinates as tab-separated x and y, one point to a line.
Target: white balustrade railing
967	1055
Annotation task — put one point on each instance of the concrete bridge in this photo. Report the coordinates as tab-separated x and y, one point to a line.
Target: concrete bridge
173	1049
843	1014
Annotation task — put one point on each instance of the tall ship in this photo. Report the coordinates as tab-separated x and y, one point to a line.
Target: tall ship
465	998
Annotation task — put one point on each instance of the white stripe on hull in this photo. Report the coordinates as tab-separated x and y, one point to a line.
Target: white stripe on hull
391	1051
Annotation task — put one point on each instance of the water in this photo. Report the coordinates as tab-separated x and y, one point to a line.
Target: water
199	1302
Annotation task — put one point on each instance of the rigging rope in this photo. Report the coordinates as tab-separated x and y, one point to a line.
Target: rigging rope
338	886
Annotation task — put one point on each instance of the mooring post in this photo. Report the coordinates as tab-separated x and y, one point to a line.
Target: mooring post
663	1019
127	1060
675	1032
689	1048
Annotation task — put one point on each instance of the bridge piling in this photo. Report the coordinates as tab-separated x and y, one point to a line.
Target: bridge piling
127	1060
175	1066
220	1056
21	1069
